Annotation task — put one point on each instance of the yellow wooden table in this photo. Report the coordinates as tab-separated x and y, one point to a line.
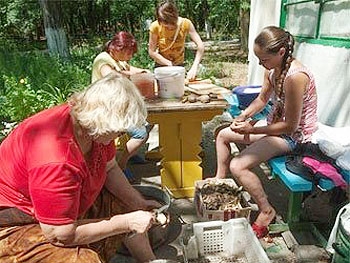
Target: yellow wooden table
180	135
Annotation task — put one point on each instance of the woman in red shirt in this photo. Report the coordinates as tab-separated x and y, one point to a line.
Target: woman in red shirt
61	187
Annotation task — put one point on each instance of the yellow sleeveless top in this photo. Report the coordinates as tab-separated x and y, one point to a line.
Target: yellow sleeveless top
176	53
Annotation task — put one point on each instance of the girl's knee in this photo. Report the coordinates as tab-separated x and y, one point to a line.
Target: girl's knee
236	167
224	135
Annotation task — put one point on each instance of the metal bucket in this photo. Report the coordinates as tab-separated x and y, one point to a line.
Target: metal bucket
154	193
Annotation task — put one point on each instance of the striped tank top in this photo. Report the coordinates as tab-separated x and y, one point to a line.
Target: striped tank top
308	120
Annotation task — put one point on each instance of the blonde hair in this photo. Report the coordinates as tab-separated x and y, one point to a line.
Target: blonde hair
111	104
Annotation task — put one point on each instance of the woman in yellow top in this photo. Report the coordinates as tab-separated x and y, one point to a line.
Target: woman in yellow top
167	39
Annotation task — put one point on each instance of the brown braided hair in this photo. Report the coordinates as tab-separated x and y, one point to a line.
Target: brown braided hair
271	39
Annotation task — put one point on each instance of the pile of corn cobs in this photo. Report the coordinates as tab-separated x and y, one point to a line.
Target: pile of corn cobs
220	196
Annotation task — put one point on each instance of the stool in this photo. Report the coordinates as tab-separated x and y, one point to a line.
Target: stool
297	186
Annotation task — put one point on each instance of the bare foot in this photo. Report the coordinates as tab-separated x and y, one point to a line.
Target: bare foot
265	217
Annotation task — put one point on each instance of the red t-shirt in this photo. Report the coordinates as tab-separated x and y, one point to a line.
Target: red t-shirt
43	171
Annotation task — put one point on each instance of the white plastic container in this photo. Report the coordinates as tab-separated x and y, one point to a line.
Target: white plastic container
171	81
217	240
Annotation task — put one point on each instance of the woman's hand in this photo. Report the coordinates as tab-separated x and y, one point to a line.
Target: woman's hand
192	73
242	127
139	221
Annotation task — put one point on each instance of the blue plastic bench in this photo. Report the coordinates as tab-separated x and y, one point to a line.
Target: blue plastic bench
297	186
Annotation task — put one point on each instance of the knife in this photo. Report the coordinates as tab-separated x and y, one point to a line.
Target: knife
160	210
160	217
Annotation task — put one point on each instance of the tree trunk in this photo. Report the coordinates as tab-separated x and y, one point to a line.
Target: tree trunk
92	19
244	21
54	31
207	25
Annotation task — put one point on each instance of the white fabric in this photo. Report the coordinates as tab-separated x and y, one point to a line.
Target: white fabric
330	148
343	161
335	143
339	135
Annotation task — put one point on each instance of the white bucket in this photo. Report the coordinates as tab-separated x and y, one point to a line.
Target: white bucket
171	81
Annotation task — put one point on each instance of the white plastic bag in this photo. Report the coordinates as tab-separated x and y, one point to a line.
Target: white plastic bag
343	161
331	148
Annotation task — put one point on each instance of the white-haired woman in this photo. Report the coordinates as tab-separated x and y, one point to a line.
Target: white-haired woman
63	197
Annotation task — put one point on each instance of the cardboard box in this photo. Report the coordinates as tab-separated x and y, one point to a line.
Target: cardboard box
243	210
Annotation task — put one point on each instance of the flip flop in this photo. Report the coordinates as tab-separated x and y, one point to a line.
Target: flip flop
260	231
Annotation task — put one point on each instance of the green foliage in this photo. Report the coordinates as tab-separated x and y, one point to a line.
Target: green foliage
224	17
141	59
209	72
85	19
20	19
40	68
32	81
20	100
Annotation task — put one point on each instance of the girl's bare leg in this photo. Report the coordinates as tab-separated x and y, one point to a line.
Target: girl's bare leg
223	148
241	166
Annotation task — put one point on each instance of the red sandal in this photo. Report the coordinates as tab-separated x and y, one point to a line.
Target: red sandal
260	231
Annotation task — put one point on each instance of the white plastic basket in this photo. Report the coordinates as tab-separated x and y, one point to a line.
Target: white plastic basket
232	238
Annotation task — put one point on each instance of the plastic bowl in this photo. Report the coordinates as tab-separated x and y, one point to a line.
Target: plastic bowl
145	83
246	94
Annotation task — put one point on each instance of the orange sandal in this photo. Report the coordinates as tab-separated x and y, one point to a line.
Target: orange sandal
260	231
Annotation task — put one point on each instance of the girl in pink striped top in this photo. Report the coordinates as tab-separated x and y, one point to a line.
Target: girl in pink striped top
291	88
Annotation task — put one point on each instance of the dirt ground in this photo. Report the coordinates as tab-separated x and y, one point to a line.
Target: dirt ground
235	74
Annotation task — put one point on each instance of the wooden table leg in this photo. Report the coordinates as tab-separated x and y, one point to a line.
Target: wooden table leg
180	135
